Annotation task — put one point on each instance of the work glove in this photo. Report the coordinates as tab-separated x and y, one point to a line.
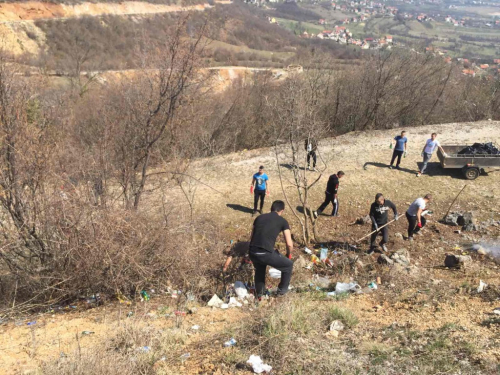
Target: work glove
251	189
390	146
419	224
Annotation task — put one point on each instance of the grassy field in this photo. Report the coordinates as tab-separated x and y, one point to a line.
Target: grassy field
293	26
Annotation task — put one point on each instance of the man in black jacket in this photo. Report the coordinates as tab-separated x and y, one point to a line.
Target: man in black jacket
311	146
332	188
379	216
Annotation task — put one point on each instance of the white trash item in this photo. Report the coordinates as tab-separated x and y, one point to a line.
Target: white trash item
215	301
308	251
257	365
346	287
481	286
233	303
240	289
274	273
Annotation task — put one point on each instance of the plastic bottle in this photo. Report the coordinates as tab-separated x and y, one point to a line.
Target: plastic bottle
229	343
145	295
390	146
323	253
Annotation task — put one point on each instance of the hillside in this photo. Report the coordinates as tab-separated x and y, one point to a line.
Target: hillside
422	319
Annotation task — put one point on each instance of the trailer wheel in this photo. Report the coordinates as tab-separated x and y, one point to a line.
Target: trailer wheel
471	173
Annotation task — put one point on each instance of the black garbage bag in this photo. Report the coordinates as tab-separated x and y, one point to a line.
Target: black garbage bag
480	149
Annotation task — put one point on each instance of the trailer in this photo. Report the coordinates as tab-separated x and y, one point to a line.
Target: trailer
471	164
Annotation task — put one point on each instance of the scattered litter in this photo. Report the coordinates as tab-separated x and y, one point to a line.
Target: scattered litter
323	253
215	301
144	349
331	294
321	281
87	333
314	259
31	323
497	311
179	313
379	280
234	303
258	365
231	342
224	306
185	355
145	296
192	310
308	251
482	286
346	287
372	285
195	327
130	314
274	273
240	289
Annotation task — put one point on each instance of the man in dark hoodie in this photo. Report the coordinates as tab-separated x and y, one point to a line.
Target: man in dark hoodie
379	216
332	188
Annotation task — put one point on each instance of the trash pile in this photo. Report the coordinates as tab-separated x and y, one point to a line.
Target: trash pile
236	296
480	149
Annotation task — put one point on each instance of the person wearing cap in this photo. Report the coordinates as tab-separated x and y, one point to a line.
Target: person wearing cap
379	216
259	188
416	221
332	188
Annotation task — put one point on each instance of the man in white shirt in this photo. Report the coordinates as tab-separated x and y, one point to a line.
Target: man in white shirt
416	221
429	148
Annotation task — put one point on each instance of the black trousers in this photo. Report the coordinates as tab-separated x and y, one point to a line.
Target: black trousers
261	259
313	155
329	198
412	224
258	194
397	154
385	236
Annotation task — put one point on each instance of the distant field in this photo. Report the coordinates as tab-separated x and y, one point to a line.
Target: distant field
483	11
311	28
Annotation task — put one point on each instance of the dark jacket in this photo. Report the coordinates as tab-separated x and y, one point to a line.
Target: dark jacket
314	144
379	212
332	186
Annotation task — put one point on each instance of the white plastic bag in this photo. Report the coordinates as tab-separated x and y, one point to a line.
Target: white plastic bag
233	303
257	365
240	289
274	273
215	301
481	286
346	287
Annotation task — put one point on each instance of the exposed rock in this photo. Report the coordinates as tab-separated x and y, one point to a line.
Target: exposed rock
402	257
398	235
384	259
336	325
363	220
458	261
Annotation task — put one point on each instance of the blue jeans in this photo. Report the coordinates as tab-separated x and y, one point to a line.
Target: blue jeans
427	157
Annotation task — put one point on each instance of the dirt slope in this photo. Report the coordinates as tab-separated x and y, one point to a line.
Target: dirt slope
362	156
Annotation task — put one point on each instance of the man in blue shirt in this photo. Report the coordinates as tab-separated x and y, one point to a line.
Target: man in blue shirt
259	188
399	149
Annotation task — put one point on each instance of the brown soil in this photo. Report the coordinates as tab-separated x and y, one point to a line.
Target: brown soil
426	297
